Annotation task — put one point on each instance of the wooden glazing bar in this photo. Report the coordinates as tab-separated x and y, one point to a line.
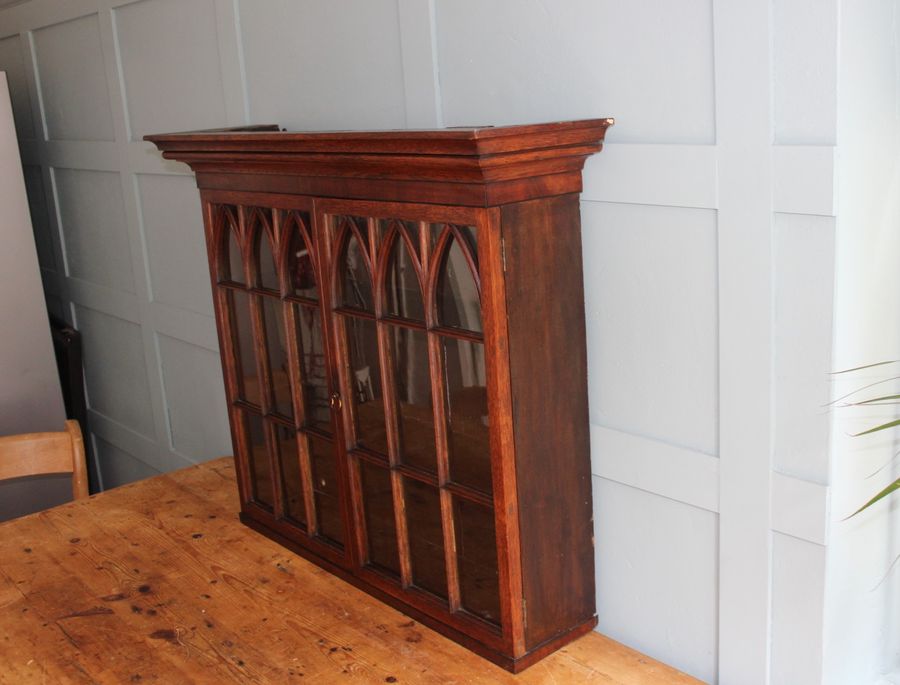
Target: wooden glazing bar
459	334
339	383
358	313
418	474
370	456
389	401
261	351
297	299
295	367
471	494
296	375
214	229
503	469
438	400
404	323
424	246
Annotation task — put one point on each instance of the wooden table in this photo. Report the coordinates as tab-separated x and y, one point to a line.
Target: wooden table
158	582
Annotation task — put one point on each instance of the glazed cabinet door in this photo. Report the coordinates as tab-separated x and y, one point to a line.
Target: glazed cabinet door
410	352
265	267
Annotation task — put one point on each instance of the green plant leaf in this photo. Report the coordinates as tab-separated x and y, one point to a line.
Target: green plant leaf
873	400
889	424
881	495
865	387
867	366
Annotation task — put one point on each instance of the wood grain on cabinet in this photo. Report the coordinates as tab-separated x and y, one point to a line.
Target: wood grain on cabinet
401	321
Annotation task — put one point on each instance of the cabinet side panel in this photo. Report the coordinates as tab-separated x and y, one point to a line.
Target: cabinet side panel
548	373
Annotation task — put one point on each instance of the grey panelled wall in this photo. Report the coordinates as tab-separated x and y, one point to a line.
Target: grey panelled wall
683	270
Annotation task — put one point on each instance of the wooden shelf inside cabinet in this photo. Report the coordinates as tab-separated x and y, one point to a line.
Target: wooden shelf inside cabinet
401	324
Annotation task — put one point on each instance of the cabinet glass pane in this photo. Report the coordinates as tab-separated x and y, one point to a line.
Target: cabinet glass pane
242	334
378	510
230	265
301	270
273	316
265	263
413	383
365	378
467	413
459	305
411	228
325	489
426	537
258	461
313	369
291	481
403	295
476	554
356	281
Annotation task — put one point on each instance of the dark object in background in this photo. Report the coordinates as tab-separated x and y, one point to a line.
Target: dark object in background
67	347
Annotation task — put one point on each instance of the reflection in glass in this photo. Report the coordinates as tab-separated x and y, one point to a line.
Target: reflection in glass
434	233
273	317
426	537
403	296
459	305
291	481
378	510
413	382
233	266
301	269
242	334
470	236
476	553
265	262
260	467
467	413
365	377
355	278
325	489
314	381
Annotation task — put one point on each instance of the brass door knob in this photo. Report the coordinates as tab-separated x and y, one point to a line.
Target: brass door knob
336	402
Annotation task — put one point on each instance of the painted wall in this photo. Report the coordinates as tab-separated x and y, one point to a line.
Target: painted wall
30	396
709	246
861	595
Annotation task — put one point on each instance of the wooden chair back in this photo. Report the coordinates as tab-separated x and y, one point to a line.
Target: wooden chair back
37	454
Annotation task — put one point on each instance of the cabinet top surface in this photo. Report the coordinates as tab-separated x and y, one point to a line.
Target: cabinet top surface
453	141
468	166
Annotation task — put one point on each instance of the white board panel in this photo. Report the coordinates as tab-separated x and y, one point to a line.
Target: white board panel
657	576
803	179
650	301
672	175
72	81
804	286
171	216
40	220
804	46
514	61
195	400
798	594
13	63
92	220
118	467
170	66
115	370
323	65
684	475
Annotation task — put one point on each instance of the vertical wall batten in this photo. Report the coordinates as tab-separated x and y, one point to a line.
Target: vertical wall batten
744	138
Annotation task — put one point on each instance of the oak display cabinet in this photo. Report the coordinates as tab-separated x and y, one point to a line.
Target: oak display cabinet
401	325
